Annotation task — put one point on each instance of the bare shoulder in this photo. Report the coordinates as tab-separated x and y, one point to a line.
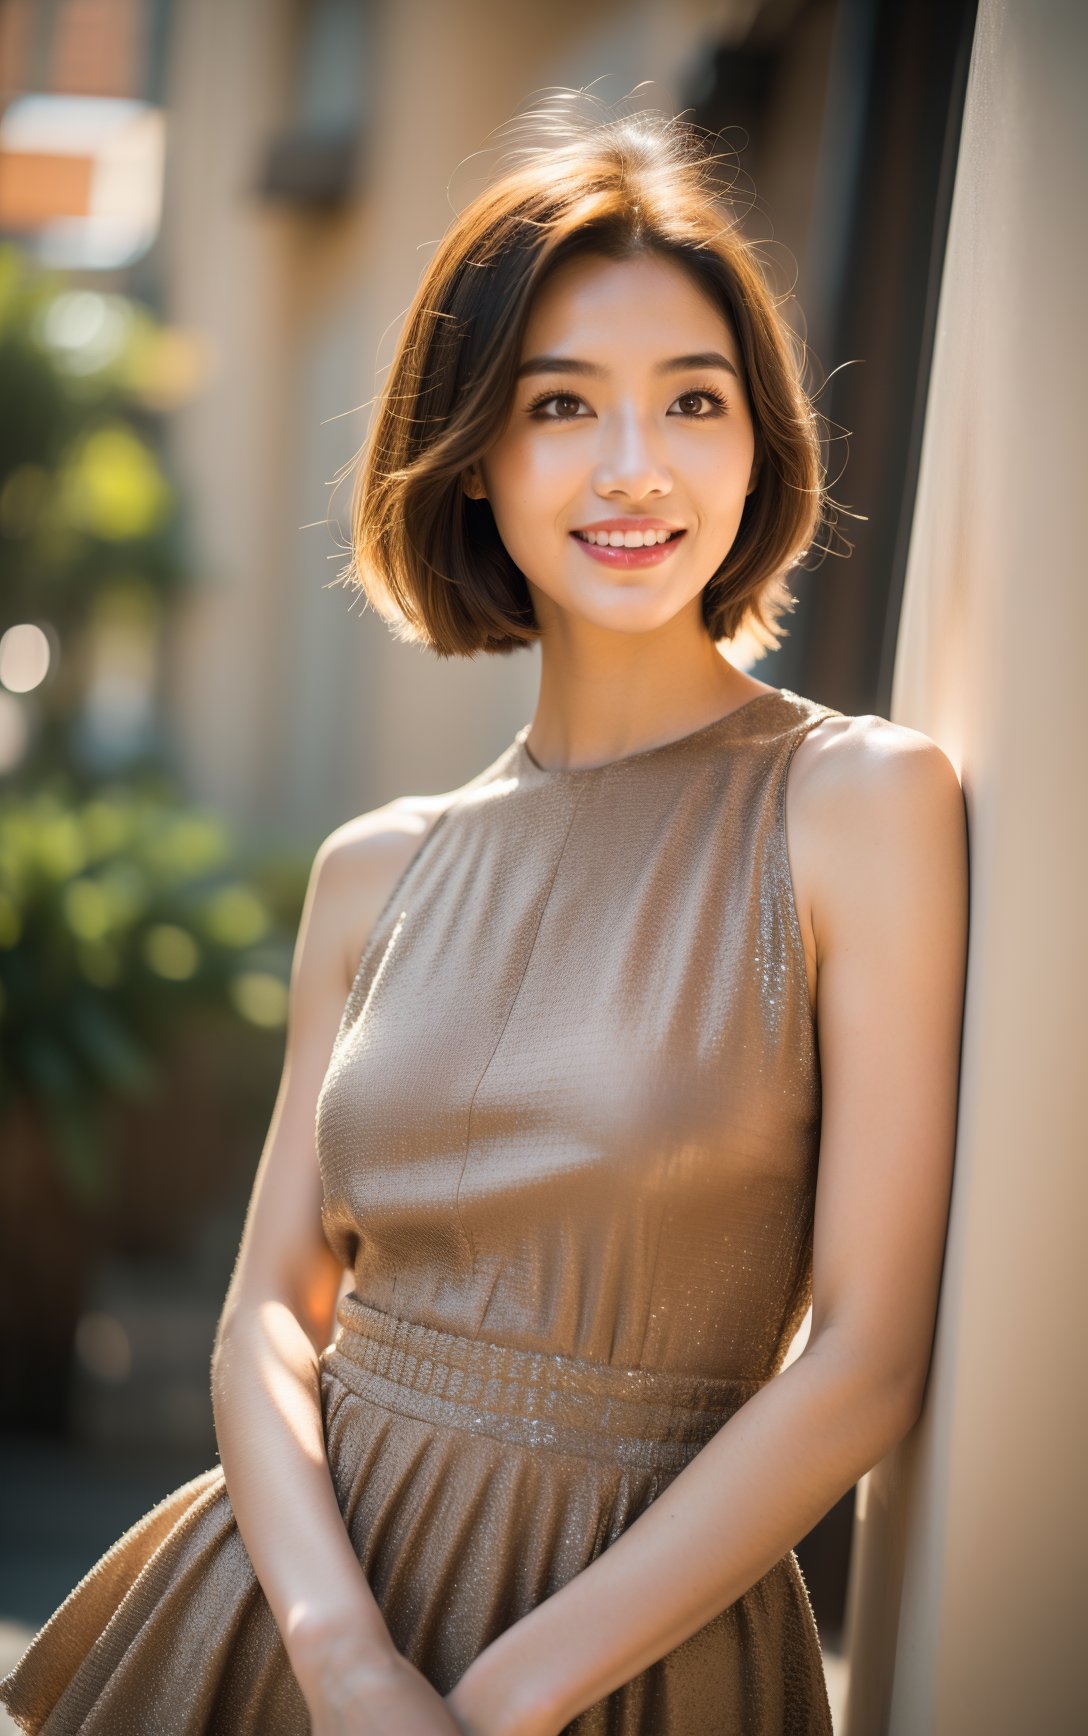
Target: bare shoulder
360	862
868	800
850	762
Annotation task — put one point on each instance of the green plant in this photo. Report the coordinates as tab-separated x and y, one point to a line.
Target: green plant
123	915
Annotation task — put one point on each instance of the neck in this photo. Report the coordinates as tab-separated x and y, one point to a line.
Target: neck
590	710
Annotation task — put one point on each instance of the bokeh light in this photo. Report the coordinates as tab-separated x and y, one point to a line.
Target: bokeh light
25	657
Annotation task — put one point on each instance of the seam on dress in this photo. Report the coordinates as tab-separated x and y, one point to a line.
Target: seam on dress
465	1231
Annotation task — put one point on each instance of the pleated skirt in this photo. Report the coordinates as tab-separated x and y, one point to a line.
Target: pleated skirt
474	1480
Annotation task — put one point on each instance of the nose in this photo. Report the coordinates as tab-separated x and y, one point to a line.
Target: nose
630	461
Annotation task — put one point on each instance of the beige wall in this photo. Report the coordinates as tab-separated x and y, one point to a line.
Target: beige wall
967	1595
294	707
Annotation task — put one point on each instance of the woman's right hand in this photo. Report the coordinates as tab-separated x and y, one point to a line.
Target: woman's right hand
384	1697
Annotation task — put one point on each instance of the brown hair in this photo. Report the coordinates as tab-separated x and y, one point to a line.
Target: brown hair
429	558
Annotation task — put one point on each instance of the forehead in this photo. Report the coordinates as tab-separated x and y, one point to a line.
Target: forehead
603	303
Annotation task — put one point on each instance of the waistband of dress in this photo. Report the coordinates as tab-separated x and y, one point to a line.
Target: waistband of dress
651	1418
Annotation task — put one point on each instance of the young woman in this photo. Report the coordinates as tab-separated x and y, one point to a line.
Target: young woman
650	1038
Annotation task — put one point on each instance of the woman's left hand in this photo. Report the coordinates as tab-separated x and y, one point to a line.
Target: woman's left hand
484	1704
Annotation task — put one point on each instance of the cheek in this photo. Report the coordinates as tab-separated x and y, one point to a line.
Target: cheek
728	459
528	481
542	459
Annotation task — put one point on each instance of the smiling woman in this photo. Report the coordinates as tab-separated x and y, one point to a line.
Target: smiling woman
650	1039
648	427
640	198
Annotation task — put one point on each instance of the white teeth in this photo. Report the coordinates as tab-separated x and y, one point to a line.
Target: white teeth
631	539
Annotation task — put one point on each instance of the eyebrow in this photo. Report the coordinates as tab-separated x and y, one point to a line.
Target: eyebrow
675	365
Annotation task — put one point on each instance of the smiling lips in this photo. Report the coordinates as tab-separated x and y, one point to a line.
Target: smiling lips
628	547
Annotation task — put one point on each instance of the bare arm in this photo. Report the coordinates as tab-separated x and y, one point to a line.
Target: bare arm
280	1306
878	820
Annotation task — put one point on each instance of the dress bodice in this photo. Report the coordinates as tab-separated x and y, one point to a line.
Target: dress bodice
573	1104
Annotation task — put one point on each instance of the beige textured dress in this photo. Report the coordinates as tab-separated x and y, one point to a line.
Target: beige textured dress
568	1138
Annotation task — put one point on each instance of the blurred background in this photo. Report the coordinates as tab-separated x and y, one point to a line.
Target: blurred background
212	218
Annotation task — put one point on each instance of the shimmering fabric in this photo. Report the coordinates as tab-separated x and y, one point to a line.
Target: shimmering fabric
568	1137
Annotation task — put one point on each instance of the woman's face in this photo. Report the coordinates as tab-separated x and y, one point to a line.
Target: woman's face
630	410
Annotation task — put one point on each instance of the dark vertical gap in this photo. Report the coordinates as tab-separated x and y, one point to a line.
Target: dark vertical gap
942	212
884	327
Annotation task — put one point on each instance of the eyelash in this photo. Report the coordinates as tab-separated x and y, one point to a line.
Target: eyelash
711	392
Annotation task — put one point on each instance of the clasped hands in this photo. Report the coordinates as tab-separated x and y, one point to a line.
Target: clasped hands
484	1704
389	1696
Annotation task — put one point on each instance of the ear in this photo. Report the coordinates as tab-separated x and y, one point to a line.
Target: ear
472	483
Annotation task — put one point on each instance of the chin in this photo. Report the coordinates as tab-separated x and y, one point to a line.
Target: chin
635	612
616	606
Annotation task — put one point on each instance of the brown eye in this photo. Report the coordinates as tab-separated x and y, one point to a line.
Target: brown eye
552	398
718	404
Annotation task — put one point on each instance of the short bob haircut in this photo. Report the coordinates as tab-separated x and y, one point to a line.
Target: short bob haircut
427	556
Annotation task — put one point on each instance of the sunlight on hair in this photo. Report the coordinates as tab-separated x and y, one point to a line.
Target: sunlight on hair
744	650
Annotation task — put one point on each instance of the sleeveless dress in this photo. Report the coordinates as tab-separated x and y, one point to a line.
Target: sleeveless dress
568	1139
